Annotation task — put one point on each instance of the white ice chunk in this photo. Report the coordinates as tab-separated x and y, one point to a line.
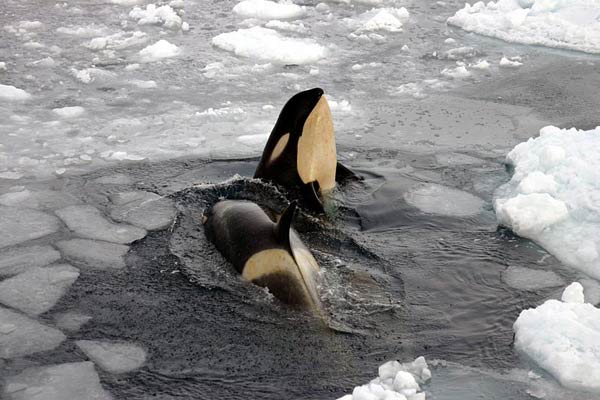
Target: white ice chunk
508	63
571	24
144	209
460	72
153	15
396	381
41	200
114	357
117	41
564	339
438	199
72	381
269	45
71	320
287	26
11	93
69	112
264	9
20	225
87	221
21	335
93	253
380	19
553	196
83	30
37	290
159	51
143	84
16	260
530	279
481	65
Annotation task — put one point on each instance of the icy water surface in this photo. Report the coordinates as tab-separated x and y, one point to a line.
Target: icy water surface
413	261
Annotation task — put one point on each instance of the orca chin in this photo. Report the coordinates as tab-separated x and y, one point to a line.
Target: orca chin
301	153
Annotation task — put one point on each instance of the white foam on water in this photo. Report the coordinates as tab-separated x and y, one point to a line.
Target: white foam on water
264	9
18	259
87	221
144	209
114	357
563	337
20	225
396	381
70	381
21	335
37	290
553	196
269	45
94	254
442	200
530	279
159	51
11	93
571	24
71	320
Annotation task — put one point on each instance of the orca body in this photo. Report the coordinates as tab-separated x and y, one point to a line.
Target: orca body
266	253
301	152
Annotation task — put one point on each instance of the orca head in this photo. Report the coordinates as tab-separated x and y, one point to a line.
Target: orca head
301	148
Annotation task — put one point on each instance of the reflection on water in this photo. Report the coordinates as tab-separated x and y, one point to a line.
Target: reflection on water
396	283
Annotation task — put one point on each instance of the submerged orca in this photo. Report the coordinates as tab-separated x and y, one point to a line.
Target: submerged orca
300	152
266	253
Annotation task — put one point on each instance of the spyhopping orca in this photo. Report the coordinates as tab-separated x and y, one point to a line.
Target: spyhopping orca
300	152
268	254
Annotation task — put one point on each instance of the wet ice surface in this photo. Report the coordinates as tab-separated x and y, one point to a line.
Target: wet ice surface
416	104
117	358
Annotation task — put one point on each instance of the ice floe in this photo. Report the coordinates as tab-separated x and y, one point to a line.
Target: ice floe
269	45
460	72
159	51
442	200
40	199
530	279
264	9
510	62
144	209
553	196
71	320
37	290
396	381
287	26
93	253
11	93
20	225
563	24
563	337
87	221
117	41
18	259
114	357
74	381
69	112
21	335
152	15
381	19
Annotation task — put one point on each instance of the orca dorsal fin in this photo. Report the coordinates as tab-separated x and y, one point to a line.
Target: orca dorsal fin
283	226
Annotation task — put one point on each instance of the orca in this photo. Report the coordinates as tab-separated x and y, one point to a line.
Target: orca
301	153
266	253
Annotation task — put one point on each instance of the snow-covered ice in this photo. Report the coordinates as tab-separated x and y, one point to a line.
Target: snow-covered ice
442	200
73	381
159	51
20	225
563	337
37	290
114	357
21	335
553	196
269	45
71	320
265	9
571	24
15	260
144	209
11	93
381	19
93	253
530	279
396	381
87	221
39	199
